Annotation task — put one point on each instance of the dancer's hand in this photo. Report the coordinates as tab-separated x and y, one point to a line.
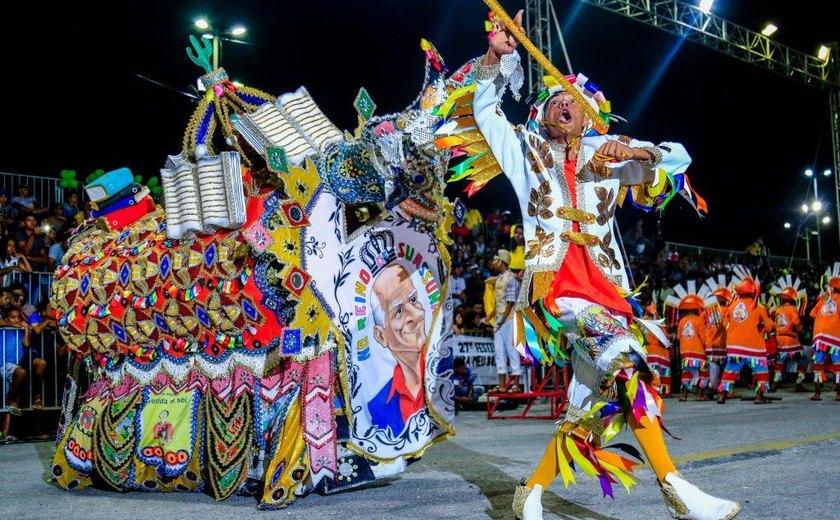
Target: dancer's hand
621	152
502	42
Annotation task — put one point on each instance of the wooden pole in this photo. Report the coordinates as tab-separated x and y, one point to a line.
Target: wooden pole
601	126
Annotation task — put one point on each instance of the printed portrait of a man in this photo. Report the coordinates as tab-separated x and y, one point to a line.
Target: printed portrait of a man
399	320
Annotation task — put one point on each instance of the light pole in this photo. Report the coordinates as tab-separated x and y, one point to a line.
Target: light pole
216	37
805	235
817	207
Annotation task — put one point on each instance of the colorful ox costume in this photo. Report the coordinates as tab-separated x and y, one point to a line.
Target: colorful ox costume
243	340
575	281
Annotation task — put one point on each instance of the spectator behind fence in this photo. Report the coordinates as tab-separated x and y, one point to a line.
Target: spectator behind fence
475	284
458	322
494	220
19	300
71	209
26	202
480	247
753	252
40	321
57	250
473	221
56	221
517	251
30	242
8	211
458	285
14	375
10	259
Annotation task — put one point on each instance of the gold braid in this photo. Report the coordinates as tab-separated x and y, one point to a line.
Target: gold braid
222	108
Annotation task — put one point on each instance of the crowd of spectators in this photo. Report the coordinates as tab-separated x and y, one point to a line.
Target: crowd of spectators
33	239
475	243
669	268
655	265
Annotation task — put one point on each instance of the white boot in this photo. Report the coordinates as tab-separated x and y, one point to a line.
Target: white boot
685	501
527	502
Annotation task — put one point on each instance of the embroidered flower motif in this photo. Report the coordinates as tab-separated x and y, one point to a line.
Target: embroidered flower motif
318	422
272	275
541	246
290	247
322	461
347	469
540	201
313	247
312	313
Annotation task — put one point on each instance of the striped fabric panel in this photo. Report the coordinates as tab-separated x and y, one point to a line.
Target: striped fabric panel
210	176
180	194
310	118
279	131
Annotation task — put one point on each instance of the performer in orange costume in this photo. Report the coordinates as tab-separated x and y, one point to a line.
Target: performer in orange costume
746	322
792	301
658	354
716	329
691	332
827	334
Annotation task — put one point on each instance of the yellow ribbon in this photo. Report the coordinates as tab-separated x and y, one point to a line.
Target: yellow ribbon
633	387
579	459
563	463
613	428
453	98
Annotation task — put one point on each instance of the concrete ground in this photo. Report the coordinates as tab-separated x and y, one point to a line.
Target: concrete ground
779	460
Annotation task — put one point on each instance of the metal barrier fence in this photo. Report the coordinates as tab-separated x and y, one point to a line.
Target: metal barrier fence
734	257
44	346
36	285
16	357
46	190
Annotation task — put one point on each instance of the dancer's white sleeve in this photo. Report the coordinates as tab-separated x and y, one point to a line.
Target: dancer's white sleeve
503	140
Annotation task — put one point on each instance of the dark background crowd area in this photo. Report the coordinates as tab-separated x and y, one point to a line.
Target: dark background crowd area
656	265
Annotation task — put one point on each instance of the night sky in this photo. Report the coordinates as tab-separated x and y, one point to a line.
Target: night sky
80	105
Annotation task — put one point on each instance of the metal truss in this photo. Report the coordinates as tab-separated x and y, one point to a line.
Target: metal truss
834	114
540	21
714	32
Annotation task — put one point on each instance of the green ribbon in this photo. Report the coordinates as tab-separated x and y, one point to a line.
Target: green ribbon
462	170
